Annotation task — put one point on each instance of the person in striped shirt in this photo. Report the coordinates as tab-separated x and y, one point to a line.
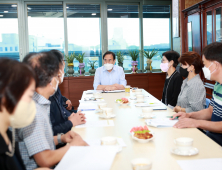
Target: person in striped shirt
209	119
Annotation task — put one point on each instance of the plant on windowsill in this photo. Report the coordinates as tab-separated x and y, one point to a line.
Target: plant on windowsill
92	65
120	58
80	58
70	59
149	55
134	54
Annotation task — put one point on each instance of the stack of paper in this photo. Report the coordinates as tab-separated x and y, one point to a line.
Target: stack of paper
98	123
93	91
88	158
166	122
154	106
201	164
87	106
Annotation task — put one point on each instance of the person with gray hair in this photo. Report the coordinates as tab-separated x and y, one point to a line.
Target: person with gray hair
36	141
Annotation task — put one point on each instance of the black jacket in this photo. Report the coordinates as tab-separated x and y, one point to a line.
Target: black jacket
59	114
172	89
10	163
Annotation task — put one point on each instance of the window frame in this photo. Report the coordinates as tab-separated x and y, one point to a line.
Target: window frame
23	21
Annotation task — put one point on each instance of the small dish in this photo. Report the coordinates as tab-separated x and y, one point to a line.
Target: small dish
107	117
189	152
142	140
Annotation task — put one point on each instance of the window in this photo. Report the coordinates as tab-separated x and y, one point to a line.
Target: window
156	31
16	48
83	24
8	30
11	49
209	27
1	49
123	31
218	25
45	27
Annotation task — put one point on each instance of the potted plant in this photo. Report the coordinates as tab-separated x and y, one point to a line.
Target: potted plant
80	58
92	65
120	58
134	55
70	59
149	55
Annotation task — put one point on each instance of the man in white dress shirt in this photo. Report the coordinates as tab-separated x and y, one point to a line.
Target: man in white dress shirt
110	76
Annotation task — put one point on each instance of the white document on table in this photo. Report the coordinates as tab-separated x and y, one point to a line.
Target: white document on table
165	122
98	123
115	91
97	142
93	91
88	158
201	164
87	106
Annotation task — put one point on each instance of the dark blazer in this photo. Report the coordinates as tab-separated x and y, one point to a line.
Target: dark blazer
173	89
10	163
59	114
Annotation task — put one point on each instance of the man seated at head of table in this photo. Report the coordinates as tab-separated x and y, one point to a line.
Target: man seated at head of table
62	118
192	96
36	141
110	76
209	119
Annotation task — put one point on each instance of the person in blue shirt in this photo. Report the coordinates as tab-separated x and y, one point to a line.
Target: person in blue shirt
110	76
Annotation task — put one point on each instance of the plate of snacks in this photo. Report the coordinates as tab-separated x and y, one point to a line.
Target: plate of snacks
123	101
142	134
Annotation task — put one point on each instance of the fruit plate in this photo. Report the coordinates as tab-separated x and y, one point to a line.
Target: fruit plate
143	140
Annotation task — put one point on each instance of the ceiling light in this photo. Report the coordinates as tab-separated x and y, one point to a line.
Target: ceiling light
14	5
110	9
93	13
1	15
5	11
67	7
29	8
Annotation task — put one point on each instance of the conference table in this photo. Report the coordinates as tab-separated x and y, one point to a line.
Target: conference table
158	149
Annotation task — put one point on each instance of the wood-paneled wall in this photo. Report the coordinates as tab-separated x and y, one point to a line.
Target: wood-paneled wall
73	87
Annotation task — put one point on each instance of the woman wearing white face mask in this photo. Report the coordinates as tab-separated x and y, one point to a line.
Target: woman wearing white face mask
17	109
173	80
193	94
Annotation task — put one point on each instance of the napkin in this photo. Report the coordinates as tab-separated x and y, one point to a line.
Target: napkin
88	157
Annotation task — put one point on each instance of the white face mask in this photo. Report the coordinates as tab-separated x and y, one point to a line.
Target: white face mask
62	77
24	114
207	73
55	88
108	66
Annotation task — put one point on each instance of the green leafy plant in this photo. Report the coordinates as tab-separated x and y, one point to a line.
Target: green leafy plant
150	54
120	57
80	57
134	54
70	57
92	64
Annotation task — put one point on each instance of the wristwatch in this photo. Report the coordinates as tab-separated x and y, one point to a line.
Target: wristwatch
59	138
